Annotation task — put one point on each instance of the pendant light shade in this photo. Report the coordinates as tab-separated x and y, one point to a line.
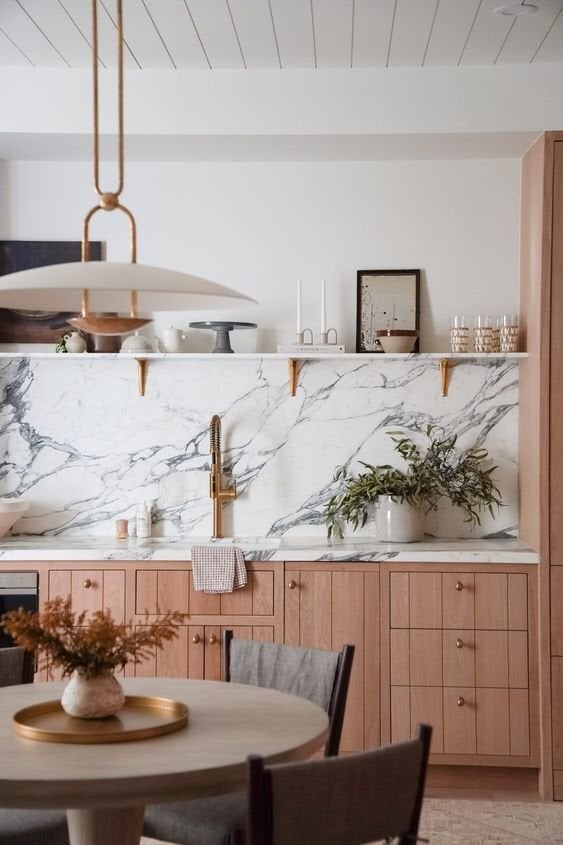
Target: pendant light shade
89	287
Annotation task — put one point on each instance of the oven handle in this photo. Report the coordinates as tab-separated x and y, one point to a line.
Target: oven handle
18	591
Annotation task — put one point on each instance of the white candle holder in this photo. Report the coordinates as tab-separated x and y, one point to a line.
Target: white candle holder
300	338
324	341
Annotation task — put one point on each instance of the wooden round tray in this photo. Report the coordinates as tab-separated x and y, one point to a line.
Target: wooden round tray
141	717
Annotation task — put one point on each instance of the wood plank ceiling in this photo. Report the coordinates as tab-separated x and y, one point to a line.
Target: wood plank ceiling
282	34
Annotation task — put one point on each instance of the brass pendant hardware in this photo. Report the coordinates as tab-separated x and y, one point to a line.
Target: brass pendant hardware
86	583
459	643
460	701
196	639
459	586
142	368
212	639
291	584
292	367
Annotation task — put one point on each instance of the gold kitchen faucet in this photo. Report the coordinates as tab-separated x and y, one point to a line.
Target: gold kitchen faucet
216	490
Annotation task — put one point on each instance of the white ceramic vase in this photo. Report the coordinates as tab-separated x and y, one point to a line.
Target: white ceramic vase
92	698
397	522
75	343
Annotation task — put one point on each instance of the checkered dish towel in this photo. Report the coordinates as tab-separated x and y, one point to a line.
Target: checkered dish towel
218	569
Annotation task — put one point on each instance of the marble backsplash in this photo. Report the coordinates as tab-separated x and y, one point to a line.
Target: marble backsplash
80	443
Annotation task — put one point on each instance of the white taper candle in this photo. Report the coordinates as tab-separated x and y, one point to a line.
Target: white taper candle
299	328
323	307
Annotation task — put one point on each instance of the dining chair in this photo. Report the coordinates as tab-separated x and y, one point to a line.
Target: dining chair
318	675
342	800
27	827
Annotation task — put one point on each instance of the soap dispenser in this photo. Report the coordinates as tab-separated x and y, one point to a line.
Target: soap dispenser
143	521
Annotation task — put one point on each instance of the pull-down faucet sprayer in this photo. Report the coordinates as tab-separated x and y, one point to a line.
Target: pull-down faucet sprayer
216	490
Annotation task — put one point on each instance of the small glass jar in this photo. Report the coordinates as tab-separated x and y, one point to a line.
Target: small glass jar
121	526
509	332
459	333
484	333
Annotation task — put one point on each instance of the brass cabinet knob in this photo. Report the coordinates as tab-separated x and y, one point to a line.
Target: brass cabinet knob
292	584
86	583
196	639
212	639
459	643
460	701
458	586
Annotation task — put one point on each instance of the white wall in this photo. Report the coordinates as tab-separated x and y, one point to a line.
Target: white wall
260	226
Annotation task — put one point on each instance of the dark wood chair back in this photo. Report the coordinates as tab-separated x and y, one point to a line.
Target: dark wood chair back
342	800
337	706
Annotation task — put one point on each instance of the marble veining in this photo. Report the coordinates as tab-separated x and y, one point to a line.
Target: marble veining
80	443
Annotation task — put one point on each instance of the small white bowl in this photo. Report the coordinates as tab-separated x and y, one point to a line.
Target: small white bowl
136	343
10	512
396	341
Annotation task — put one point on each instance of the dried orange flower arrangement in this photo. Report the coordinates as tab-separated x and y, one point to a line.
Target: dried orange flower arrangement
93	646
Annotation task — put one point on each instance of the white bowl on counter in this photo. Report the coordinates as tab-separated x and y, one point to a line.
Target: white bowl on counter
10	511
397	340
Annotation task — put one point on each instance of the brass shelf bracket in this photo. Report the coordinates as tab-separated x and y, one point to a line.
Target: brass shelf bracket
142	368
444	368
292	367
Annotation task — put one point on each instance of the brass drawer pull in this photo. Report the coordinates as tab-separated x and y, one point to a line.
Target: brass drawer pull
460	701
458	586
86	583
459	643
292	584
212	639
196	639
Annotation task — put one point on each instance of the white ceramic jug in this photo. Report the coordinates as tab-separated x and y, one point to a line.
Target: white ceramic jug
171	340
75	343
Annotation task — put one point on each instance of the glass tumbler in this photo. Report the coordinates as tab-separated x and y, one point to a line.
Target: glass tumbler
459	333
484	333
508	332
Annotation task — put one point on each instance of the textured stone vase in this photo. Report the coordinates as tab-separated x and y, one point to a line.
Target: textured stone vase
397	522
92	698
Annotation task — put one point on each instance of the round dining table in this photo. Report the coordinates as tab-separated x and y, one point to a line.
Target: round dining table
105	787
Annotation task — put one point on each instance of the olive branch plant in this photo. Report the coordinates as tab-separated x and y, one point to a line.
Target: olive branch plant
440	471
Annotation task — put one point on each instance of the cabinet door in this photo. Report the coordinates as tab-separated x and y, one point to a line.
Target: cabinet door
91	590
327	609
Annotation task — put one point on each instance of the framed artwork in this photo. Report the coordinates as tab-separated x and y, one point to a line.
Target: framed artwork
37	326
386	299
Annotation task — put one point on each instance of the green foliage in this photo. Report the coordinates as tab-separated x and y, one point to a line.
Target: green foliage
441	471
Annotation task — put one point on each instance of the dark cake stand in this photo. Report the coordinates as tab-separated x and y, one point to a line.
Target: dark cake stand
222	329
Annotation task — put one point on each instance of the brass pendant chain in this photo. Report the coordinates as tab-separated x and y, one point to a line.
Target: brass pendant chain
108	200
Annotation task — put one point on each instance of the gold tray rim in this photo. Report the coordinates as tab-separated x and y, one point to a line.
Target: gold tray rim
177	710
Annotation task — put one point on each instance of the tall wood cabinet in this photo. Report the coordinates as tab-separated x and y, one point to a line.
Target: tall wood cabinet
541	429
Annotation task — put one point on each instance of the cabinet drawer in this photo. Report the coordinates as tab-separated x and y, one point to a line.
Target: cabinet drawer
90	590
481	600
158	591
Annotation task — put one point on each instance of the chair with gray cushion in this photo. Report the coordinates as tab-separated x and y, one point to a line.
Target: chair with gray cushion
342	800
320	676
27	827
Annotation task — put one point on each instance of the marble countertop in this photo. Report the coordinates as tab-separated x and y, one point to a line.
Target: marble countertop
47	548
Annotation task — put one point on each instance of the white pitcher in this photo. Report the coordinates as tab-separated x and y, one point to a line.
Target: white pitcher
171	340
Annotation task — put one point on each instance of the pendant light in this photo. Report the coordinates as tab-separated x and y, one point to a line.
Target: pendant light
90	286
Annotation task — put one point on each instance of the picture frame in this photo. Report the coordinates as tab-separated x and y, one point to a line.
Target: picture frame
386	299
38	326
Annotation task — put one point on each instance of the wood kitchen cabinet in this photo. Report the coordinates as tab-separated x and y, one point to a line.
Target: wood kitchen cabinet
254	611
90	589
458	652
326	606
